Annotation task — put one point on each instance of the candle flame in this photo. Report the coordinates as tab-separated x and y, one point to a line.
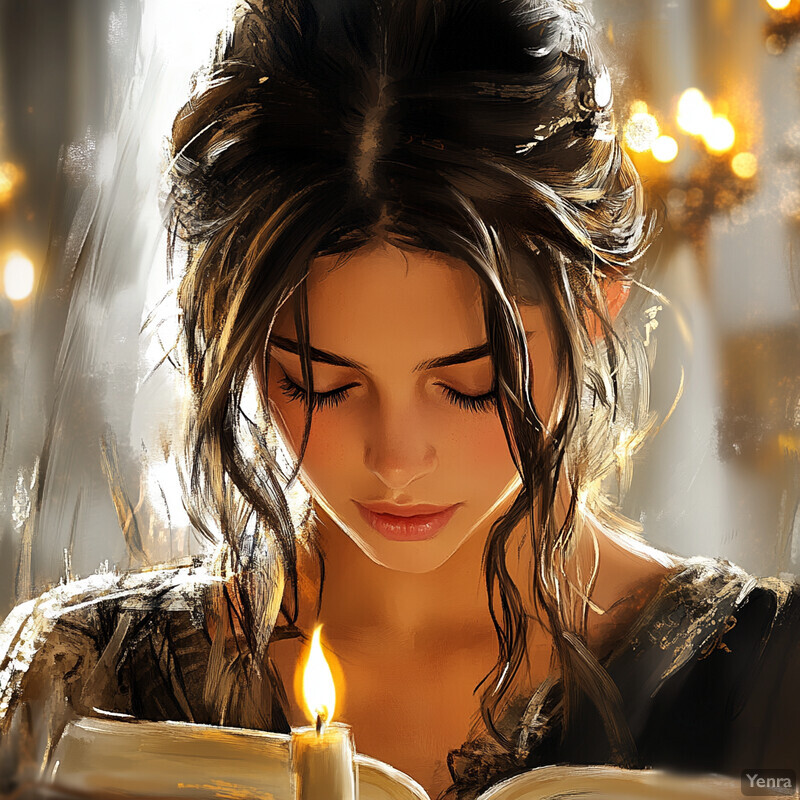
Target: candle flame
319	691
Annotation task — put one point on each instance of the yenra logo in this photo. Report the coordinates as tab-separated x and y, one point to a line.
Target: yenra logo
761	782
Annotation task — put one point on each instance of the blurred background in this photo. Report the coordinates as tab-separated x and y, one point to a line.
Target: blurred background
708	105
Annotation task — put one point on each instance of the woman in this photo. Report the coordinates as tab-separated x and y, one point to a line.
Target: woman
411	225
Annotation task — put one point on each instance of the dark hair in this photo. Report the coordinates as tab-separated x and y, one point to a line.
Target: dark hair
477	128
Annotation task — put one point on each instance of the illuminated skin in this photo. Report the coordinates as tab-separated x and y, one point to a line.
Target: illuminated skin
406	623
396	434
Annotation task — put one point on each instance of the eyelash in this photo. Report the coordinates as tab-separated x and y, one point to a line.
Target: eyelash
469	402
477	403
318	399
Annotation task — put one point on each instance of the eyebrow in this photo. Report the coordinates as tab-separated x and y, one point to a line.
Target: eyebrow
324	357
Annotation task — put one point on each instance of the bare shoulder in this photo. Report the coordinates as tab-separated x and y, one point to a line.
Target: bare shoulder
629	577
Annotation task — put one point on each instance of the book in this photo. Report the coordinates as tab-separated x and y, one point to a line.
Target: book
106	757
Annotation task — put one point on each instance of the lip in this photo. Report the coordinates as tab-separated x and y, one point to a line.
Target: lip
406	523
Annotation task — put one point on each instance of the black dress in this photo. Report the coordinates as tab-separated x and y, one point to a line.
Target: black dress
707	679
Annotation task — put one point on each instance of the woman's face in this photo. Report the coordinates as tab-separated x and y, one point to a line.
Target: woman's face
406	452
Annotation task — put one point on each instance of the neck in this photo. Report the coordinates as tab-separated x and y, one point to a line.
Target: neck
362	596
363	601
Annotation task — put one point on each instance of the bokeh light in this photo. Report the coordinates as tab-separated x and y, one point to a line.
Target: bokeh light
665	148
775	44
18	276
719	135
778	5
744	165
641	131
10	177
694	112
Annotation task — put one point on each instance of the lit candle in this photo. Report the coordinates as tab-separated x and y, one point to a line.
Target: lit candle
321	755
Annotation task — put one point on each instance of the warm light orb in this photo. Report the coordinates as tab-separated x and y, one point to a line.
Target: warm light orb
665	148
694	112
744	165
18	276
10	176
319	691
638	107
641	131
719	135
778	5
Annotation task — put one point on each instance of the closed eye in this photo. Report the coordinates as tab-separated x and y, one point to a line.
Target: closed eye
332	398
329	399
470	402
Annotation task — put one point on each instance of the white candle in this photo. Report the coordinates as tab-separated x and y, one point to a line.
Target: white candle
322	763
321	756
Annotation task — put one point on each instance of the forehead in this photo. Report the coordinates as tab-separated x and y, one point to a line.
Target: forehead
382	302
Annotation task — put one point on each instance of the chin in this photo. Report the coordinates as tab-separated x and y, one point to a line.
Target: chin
413	557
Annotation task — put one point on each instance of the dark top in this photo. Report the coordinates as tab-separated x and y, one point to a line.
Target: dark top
707	678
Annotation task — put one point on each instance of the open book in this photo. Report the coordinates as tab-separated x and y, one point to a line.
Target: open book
177	760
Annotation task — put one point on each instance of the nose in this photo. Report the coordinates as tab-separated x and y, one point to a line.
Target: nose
398	450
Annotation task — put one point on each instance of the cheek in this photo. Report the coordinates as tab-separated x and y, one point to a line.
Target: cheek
487	441
289	418
476	455
330	451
